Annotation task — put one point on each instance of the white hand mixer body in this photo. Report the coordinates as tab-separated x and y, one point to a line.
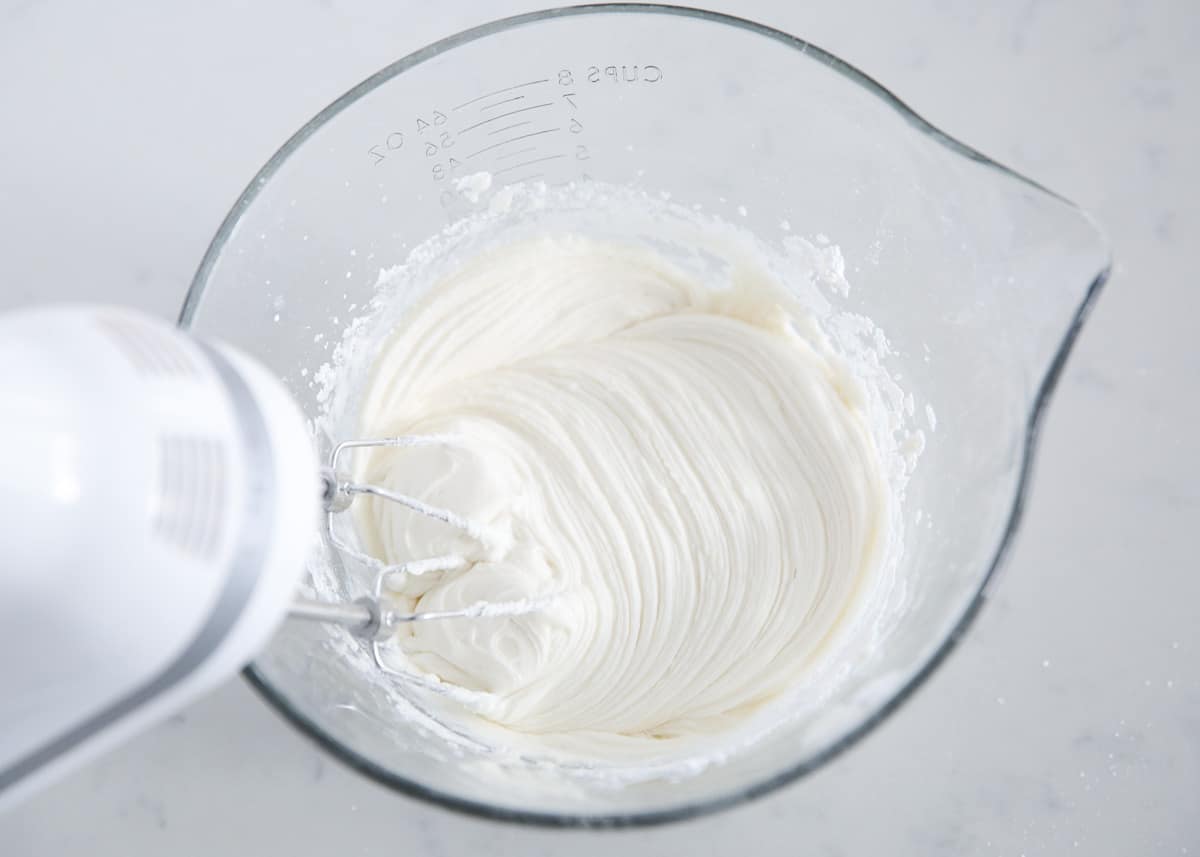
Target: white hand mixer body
159	501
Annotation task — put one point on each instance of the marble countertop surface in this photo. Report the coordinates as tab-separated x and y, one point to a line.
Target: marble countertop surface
1069	719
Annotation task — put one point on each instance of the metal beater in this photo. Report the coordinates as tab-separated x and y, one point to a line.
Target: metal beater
369	617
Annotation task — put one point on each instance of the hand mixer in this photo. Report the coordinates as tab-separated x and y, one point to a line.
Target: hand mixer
159	500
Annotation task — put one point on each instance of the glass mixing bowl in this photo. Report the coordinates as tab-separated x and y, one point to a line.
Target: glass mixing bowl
980	278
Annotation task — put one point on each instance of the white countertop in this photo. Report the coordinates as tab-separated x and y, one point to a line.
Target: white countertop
1069	719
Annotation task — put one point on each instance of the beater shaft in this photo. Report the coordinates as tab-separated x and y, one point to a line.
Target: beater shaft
362	617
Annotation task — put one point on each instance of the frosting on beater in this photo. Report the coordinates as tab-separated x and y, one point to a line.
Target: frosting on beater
682	476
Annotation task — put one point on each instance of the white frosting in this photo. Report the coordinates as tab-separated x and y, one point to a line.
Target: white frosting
679	477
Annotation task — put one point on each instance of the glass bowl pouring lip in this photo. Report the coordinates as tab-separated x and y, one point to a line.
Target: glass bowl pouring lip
279	700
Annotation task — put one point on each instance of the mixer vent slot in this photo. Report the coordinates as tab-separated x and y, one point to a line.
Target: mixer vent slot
148	349
192	484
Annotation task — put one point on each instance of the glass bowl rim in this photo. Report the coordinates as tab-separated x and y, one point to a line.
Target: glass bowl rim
279	700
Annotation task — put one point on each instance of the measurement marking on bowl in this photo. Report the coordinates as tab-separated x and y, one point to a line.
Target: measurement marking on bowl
513	140
504	115
529	163
500	91
565	93
517	153
510	127
531	178
498	103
